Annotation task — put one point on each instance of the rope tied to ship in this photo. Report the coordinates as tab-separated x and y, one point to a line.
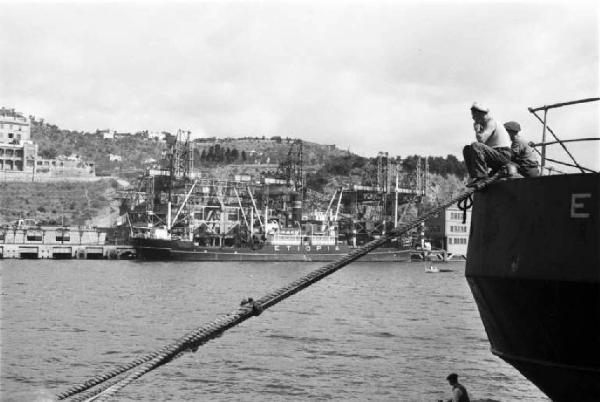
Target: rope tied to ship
256	307
100	387
464	205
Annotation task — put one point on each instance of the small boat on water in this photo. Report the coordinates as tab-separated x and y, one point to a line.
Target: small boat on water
436	270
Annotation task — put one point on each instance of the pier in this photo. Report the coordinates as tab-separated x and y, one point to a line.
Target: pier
37	242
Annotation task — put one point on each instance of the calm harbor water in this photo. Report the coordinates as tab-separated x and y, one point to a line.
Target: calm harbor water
379	332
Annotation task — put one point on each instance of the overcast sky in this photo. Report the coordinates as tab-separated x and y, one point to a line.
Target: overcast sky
367	76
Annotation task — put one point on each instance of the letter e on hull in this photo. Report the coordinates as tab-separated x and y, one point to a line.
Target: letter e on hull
579	207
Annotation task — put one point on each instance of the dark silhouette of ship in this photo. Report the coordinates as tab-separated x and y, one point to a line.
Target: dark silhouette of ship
533	267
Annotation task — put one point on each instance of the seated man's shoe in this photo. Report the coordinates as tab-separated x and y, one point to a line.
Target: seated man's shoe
476	182
510	170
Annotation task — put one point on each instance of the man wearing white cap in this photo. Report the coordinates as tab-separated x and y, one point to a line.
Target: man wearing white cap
492	148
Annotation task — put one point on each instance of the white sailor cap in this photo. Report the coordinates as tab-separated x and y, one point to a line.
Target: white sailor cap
479	107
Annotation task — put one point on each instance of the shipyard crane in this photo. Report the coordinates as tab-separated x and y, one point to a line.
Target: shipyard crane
292	167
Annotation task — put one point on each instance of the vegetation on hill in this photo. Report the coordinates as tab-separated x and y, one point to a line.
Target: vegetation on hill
449	165
135	151
327	168
69	203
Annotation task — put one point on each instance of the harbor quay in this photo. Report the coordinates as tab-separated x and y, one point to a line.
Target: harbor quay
62	243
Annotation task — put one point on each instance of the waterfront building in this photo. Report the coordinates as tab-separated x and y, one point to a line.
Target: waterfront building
17	151
447	230
19	160
14	127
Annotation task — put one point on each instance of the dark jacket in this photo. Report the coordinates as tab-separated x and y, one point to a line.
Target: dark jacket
464	396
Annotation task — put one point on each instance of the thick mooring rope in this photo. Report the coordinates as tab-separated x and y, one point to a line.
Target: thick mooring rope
248	309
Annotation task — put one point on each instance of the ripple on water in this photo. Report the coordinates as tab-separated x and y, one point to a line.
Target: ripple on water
369	332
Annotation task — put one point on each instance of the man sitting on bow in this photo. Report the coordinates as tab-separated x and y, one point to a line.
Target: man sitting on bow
492	150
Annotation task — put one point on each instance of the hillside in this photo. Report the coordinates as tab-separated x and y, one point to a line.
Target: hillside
134	150
326	167
69	203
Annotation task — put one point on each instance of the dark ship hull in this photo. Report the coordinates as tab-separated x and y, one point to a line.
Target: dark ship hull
534	270
155	249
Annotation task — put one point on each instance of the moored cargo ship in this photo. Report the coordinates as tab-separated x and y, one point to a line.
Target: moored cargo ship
312	250
178	215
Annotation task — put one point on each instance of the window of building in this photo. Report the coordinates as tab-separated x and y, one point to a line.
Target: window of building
458	229
456	215
63	237
10	135
457	240
34	236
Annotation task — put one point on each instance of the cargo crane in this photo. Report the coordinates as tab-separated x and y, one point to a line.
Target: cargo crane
292	167
180	155
375	209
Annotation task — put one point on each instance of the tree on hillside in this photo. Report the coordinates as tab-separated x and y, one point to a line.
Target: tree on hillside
210	155
48	153
438	164
197	158
455	166
316	181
